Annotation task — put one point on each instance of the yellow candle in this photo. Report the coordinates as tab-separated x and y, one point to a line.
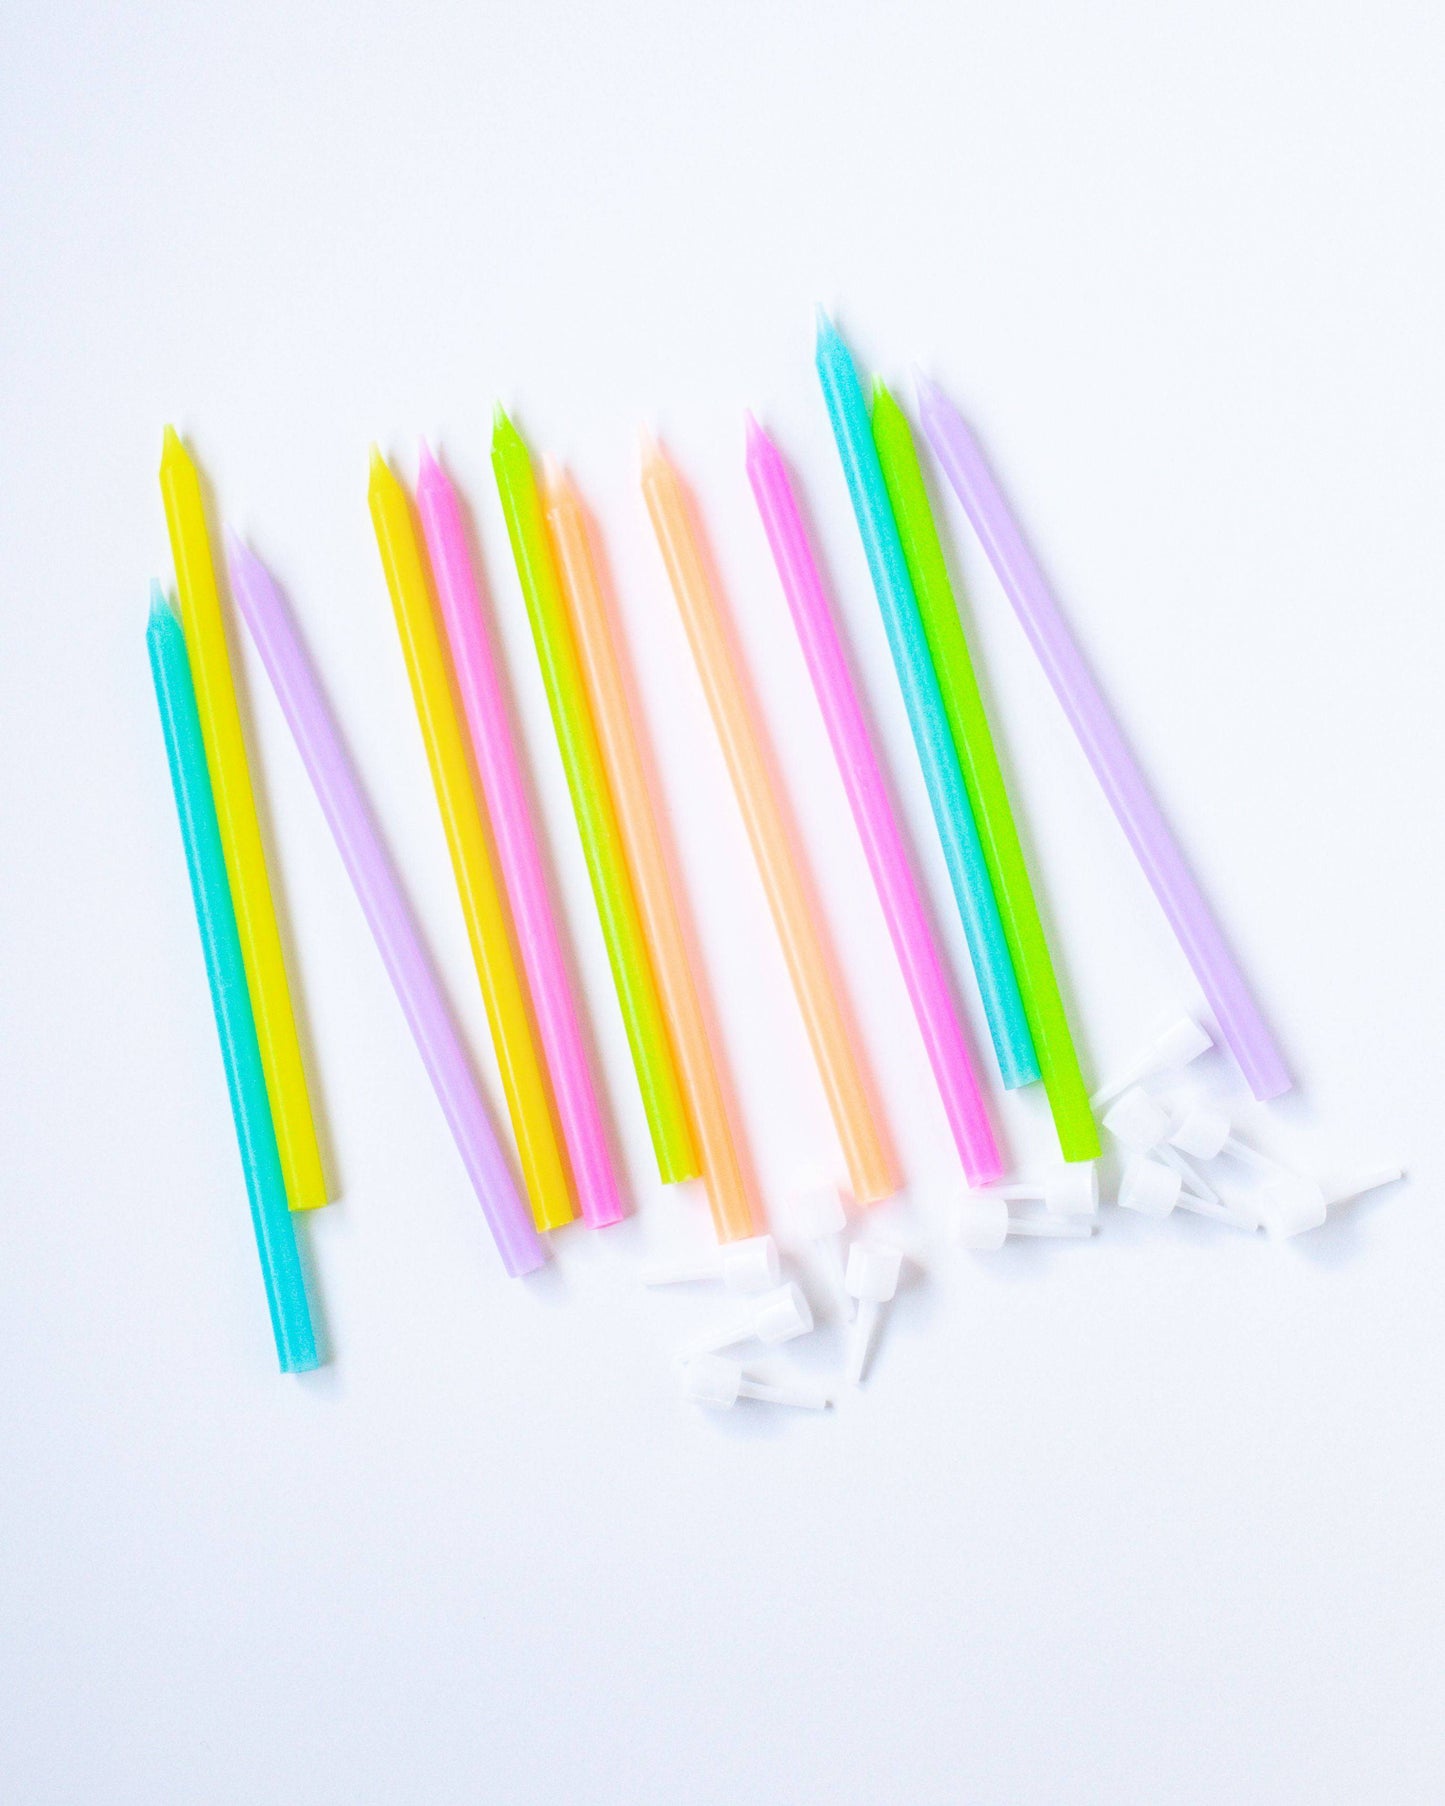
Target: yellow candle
524	1081
722	1170
870	1168
205	632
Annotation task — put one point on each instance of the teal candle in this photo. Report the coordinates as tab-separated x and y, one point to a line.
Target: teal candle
952	811
241	1052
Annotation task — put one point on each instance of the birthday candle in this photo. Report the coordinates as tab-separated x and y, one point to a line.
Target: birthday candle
275	1233
973	740
957	830
235	804
722	1169
1164	865
868	797
523	1078
391	921
486	714
815	981
592	804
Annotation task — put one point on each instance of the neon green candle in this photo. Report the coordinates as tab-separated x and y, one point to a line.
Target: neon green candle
594	808
1058	1061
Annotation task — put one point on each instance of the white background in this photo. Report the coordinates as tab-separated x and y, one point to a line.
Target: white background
1156	1519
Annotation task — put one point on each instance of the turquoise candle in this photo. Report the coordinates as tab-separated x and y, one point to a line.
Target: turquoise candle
952	812
241	1052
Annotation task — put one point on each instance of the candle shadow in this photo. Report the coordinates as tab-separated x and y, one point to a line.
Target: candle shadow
316	1299
330	1167
749	1421
548	1283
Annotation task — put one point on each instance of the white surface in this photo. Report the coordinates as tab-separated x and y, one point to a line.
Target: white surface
1155	1518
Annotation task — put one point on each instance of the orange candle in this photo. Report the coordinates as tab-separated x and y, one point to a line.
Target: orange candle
722	1170
779	858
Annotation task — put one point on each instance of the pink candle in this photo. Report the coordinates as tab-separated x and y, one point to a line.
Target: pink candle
868	797
521	861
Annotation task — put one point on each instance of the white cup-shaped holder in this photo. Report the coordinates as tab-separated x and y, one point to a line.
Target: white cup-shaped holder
981	1221
871	1279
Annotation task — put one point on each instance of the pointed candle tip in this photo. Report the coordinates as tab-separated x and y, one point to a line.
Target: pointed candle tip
648	447
159	605
242	563
427	468
173	450
925	388
509	445
554	476
823	322
831	352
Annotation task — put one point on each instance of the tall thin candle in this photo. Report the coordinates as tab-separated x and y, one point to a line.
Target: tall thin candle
523	1076
225	746
384	905
868	797
281	1269
810	964
486	714
1223	983
697	1059
1068	1095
